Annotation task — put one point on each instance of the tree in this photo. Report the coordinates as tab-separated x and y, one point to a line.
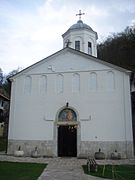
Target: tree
5	90
6	84
119	48
1	77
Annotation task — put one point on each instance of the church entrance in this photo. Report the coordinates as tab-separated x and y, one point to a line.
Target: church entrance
67	141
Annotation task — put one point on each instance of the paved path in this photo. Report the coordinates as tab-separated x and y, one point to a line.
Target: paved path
63	168
71	169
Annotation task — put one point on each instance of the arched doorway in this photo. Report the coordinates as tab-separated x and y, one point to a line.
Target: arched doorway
67	133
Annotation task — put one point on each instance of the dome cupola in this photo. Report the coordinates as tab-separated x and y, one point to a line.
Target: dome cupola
80	25
81	36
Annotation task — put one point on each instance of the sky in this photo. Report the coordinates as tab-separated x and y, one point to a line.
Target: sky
31	30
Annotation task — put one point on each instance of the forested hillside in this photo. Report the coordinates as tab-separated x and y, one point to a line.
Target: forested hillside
119	49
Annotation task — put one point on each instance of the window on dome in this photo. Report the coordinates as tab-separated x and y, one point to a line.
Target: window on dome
89	48
77	45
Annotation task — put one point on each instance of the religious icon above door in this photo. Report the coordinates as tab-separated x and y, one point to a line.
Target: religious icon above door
67	114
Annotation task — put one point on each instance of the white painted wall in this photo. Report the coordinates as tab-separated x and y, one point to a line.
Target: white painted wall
84	36
33	114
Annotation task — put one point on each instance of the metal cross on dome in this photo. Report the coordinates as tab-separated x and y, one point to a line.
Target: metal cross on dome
80	14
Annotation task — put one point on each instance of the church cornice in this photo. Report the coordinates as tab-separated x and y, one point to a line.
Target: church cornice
70	71
75	30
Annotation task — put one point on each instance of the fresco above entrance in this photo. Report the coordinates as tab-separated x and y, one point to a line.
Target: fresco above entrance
67	114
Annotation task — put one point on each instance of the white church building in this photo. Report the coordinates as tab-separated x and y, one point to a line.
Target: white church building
71	103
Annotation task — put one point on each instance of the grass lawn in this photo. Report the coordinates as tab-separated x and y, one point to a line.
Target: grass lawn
20	171
121	172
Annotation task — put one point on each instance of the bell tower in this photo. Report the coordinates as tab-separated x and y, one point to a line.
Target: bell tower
81	37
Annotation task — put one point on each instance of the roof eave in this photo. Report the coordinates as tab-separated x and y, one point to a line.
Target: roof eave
74	51
76	29
103	62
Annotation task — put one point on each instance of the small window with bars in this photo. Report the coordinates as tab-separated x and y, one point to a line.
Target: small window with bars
77	45
89	48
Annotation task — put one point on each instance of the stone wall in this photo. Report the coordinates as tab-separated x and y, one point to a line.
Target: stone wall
89	148
45	148
85	148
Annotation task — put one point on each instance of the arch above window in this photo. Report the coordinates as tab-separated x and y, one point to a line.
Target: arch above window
43	84
76	82
110	80
59	83
92	84
27	85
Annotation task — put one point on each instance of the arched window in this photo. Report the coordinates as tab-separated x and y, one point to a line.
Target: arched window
77	45
89	48
59	83
110	80
92	84
43	84
76	82
28	85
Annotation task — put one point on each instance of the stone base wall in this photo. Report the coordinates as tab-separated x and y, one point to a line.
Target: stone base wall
45	148
85	148
89	148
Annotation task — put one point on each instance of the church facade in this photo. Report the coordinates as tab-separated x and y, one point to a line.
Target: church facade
71	103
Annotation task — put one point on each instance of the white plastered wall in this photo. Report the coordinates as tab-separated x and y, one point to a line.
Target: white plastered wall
105	115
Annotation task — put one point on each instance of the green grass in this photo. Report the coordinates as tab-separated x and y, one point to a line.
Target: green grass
3	142
20	171
121	172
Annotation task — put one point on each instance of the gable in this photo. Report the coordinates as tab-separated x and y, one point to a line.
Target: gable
66	63
68	60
